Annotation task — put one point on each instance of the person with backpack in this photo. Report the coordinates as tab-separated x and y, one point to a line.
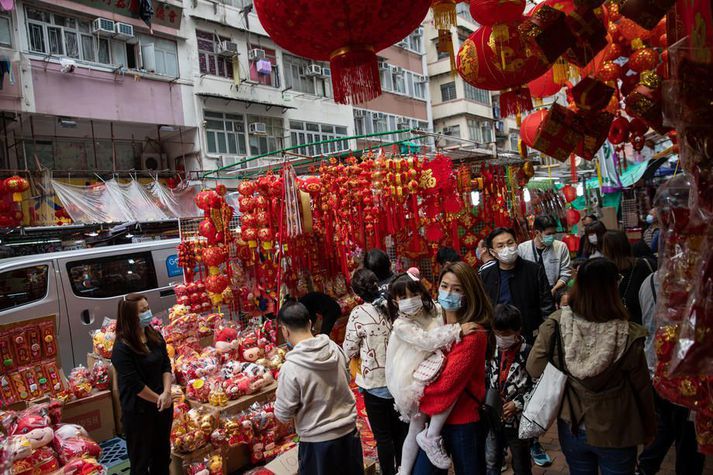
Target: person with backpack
507	375
607	408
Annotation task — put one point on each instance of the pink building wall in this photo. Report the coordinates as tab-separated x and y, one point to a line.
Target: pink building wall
100	95
11	95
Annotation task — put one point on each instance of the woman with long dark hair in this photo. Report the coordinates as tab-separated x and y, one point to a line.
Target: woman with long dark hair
595	238
608	406
634	271
461	384
144	376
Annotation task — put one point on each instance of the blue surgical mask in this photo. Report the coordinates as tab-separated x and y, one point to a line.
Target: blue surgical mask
548	240
145	318
650	219
450	300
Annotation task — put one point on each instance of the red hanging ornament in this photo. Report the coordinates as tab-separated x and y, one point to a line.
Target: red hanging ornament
347	34
643	58
246	188
570	193
497	58
17	186
531	125
619	131
610	71
544	86
573	216
490	12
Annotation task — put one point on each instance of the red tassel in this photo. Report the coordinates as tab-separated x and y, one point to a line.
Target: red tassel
515	100
355	75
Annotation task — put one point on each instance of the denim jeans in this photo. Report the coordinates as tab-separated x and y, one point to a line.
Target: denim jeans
584	459
495	451
465	443
388	430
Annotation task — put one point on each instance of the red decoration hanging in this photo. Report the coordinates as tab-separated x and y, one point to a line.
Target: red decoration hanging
531	125
490	12
573	216
345	33
544	86
570	193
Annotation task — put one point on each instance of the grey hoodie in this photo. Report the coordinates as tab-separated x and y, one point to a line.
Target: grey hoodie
313	388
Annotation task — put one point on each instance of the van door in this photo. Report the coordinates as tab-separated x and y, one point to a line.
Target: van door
168	274
94	286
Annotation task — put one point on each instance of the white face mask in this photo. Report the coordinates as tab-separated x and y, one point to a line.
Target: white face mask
593	239
508	255
410	306
505	342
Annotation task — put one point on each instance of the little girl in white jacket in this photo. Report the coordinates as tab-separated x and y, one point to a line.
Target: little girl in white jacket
413	359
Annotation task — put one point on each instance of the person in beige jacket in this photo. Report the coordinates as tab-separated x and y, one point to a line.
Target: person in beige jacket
608	407
313	390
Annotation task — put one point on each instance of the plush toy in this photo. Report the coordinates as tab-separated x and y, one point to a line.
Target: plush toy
226	340
250	348
65	431
100	375
217	396
80	382
76	447
237	386
42	461
83	466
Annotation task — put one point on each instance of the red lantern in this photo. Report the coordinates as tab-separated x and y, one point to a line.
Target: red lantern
206	228
221	189
16	185
490	12
348	34
265	235
206	199
570	193
214	256
216	284
248	234
531	125
610	71
572	242
246	204
544	86
248	220
498	58
246	188
619	131
643	59
573	216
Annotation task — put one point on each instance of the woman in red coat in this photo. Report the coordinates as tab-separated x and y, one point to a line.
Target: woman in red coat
462	382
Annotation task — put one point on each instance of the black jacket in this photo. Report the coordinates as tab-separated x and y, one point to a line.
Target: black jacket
530	292
135	370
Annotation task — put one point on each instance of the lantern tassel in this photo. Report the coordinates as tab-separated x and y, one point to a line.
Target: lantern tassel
445	45
560	71
355	75
444	14
515	100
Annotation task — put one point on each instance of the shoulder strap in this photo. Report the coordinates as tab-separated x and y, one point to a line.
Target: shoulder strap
653	287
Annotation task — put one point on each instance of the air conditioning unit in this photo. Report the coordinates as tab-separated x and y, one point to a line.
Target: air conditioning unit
398	70
103	27
403	43
256	54
422	80
383	65
327	72
258	128
312	70
124	31
227	48
153	161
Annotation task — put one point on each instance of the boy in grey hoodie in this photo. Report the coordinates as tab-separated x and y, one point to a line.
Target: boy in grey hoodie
313	389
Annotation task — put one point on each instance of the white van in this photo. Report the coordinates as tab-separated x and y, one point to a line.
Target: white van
83	287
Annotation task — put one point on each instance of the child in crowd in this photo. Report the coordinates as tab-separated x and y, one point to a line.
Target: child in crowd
414	358
313	389
507	373
561	298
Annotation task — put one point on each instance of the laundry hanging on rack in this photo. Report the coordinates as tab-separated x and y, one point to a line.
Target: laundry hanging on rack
7	5
6	68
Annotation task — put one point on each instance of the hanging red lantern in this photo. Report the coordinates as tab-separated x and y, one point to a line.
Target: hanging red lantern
490	12
544	86
246	204
638	126
570	193
643	58
213	256
610	71
207	199
347	34
531	125
496	58
573	216
619	131
630	30
17	186
221	189
206	228
216	284
246	188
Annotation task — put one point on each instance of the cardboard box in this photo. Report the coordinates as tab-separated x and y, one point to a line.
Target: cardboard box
178	460
116	403
241	404
95	413
236	458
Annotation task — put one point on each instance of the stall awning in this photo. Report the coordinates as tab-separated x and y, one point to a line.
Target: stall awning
247	102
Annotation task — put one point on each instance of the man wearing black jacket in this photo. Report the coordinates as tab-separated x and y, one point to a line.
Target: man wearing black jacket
517	282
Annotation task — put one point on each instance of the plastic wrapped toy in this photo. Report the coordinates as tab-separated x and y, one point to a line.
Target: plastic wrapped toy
103	339
80	382
83	466
76	447
100	375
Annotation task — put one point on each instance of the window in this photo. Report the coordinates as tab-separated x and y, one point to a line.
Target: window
264	71
271	140
399	80
477	95
59	35
307	132
209	61
387	78
487	129
22	286
225	133
5	31
452	131
414	41
158	55
419	86
448	92
297	78
463	11
369	122
474	132
111	276
514	139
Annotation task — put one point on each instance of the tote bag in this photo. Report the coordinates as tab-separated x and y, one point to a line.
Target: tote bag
545	401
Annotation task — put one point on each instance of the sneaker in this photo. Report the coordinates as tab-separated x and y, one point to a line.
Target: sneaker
434	450
539	456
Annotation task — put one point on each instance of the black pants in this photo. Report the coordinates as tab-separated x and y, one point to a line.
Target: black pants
672	425
520	450
148	440
389	431
342	456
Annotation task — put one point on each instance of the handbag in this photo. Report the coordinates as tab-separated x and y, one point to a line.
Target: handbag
430	368
543	406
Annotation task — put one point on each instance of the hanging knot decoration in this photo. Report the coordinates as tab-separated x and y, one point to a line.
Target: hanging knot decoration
346	33
293	217
444	14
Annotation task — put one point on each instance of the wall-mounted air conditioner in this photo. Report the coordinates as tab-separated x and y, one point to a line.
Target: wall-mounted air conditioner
124	31
103	27
312	70
327	72
257	128
256	54
227	48
153	161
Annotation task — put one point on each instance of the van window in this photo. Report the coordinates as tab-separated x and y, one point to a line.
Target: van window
22	286
111	276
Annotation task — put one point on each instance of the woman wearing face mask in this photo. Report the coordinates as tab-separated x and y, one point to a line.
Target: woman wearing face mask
144	375
460	387
595	239
419	337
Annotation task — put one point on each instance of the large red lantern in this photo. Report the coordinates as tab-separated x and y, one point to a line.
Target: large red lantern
16	185
348	34
573	216
570	193
531	125
544	86
490	12
498	58
214	256
216	284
